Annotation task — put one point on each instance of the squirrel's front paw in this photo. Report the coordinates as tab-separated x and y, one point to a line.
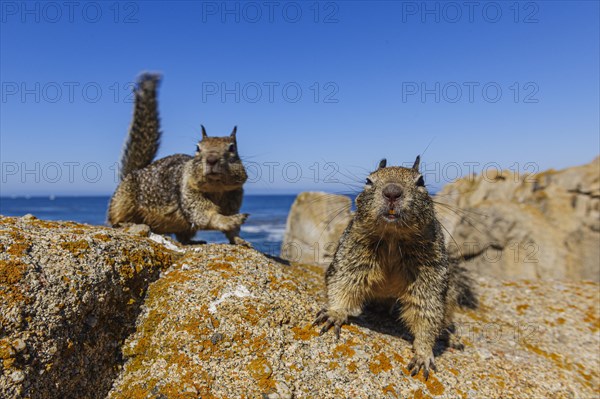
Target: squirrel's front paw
422	361
331	318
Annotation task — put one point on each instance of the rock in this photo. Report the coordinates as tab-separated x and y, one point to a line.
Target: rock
262	311
19	345
17	376
69	296
234	322
216	338
314	225
510	225
140	230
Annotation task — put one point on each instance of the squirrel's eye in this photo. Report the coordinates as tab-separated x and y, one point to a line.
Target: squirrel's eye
368	182
421	182
231	147
197	147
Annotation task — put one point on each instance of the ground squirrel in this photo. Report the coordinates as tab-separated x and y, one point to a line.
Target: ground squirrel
394	249
179	194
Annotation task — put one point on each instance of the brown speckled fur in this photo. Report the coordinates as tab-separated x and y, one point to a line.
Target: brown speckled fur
394	249
178	194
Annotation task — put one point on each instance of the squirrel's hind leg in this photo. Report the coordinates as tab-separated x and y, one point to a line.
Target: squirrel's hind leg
450	334
454	341
186	238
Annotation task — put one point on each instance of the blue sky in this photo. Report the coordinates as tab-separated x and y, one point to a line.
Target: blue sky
319	91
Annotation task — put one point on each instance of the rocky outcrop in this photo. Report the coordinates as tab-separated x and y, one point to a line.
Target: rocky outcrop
227	321
69	296
512	225
314	225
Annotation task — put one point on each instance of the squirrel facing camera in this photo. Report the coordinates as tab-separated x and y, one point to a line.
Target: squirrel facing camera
179	194
393	252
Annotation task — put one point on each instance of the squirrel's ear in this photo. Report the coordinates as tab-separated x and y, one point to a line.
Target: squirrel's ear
382	164
233	132
417	163
204	135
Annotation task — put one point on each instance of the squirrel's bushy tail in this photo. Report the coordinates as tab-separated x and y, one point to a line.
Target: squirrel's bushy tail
463	284
144	134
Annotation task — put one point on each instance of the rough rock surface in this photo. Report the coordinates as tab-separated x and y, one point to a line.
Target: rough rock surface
69	296
229	322
314	225
512	225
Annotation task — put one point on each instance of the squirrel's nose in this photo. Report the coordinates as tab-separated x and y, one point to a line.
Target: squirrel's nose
392	192
212	160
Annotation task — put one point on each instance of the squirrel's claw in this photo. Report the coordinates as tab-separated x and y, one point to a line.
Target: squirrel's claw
326	327
330	321
421	362
320	318
338	329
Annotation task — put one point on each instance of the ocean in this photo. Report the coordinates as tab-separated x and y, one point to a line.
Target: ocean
264	229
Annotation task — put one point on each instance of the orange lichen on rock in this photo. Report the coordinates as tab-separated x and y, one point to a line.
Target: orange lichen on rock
398	358
261	371
7	353
556	358
77	248
434	386
214	321
258	345
344	350
19	248
102	237
390	389
225	268
522	308
381	363
11	273
288	285
136	260
251	314
352	367
353	329
419	394
305	333
591	317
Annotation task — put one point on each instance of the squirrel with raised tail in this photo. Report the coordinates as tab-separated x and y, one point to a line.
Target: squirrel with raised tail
179	194
393	249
